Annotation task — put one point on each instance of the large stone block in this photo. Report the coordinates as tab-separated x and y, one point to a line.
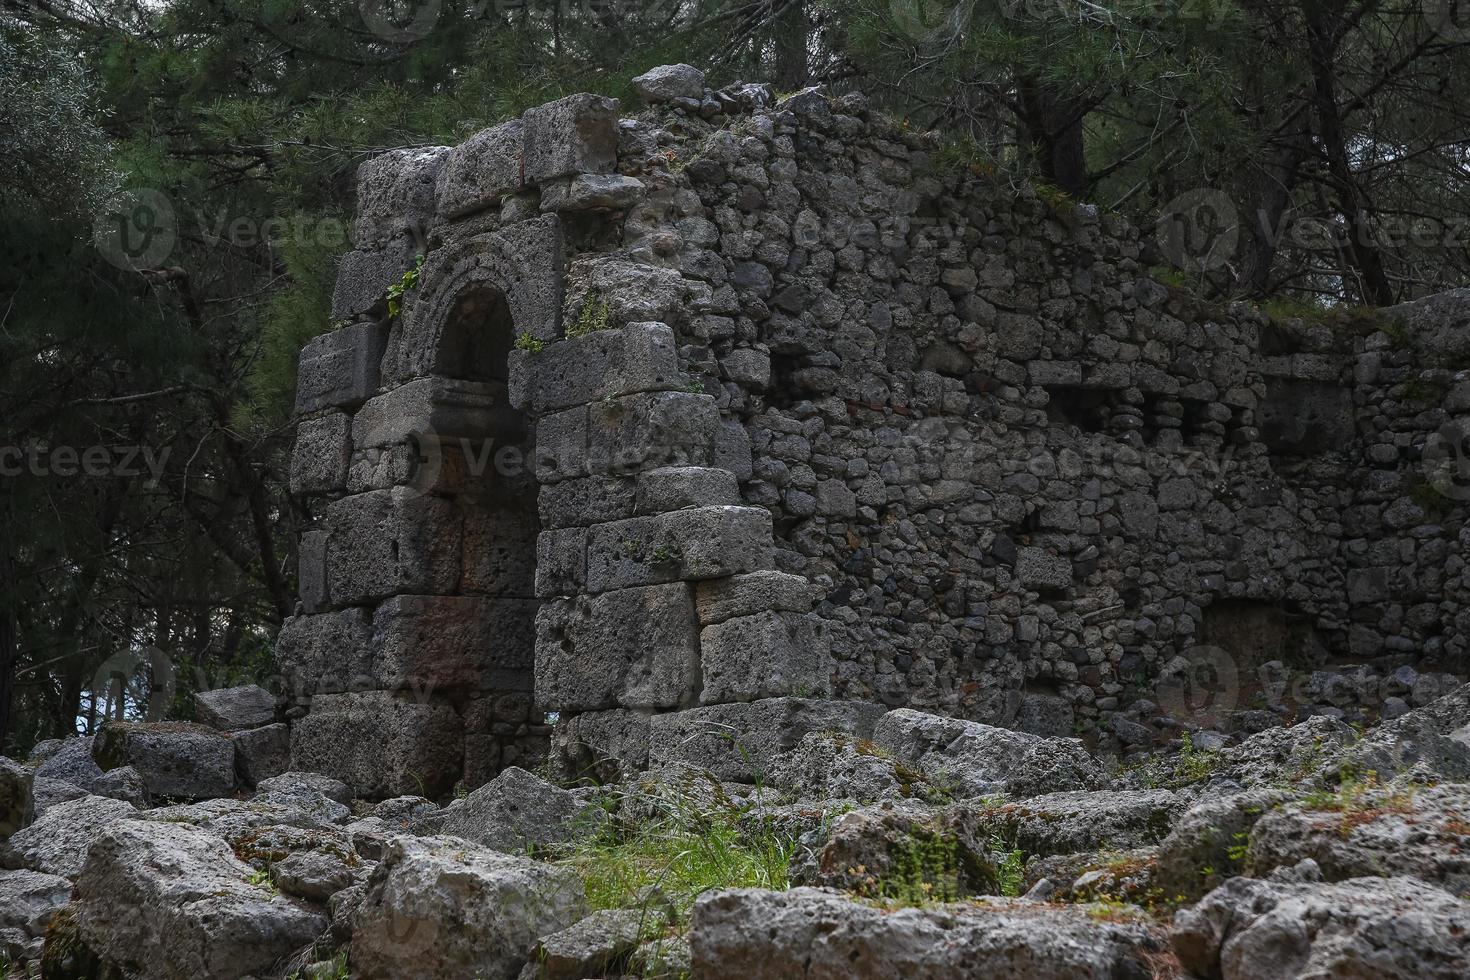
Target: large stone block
603	364
233	709
325	653
365	275
770	654
574	135
604	746
561	562
379	744
391	541
261	753
589	500
395	192
499	552
176	759
340	369
683	545
458	644
311	570
746	595
627	435
481	170
323	448
1038	569
677	487
740	741
633	648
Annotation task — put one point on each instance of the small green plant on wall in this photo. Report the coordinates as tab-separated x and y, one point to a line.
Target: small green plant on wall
529	344
396	291
596	314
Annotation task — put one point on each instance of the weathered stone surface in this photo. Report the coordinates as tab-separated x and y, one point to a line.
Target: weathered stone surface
978	760
769	654
57	842
1279	755
588	192
627	435
480	171
231	818
314	875
71	762
590	947
587	501
1396	928
380	745
898	850
1434	739
452	643
720	599
517	811
261	753
603	746
630	648
636	358
574	135
442	907
809	933
286	782
340	369
167	900
49	792
636	292
17	803
319	459
668	82
28	901
688	545
232	709
1037	569
1078	821
677	487
176	759
125	784
832	766
1206	844
391	541
364	277
326	653
740	742
395	192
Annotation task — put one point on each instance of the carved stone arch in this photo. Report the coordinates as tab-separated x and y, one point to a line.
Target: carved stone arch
523	263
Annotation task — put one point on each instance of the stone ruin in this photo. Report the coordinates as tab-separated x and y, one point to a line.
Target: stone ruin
698	429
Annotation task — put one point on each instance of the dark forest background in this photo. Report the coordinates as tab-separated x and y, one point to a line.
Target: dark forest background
145	397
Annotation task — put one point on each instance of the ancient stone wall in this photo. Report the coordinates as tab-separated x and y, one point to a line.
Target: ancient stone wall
666	383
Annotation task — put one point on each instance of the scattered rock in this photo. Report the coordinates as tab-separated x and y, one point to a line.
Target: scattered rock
1079	821
28	901
177	760
827	765
235	709
668	82
261	753
516	811
1207	844
1284	755
57	842
122	784
332	789
70	761
49	792
590	947
313	875
17	798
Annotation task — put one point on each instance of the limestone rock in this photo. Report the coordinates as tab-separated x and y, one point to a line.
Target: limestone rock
71	762
175	759
1084	820
28	900
49	792
233	709
668	82
1207	843
17	800
827	765
590	947
516	811
57	843
262	752
1284	754
123	784
286	782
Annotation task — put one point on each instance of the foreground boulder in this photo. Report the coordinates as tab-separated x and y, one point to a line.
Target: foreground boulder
806	933
176	760
68	760
978	760
57	843
1385	928
28	900
168	900
1284	755
441	907
1433	740
517	811
17	804
1088	820
1207	844
592	946
833	766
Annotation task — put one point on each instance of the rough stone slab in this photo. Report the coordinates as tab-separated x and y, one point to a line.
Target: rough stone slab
517	811
627	435
574	135
440	907
56	844
687	545
379	744
70	761
807	933
231	709
561	562
462	644
631	648
605	363
677	487
311	570
364	277
176	759
391	541
605	746
635	291
261	753
590	500
326	653
1037	569
668	82
340	369
480	171
17	800
591	947
395	192
165	900
717	600
767	655
446	407
741	741
28	901
499	552
592	192
323	448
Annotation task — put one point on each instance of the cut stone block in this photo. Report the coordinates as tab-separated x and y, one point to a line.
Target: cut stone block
605	746
604	364
395	192
319	460
770	654
340	369
668	82
627	435
574	135
261	753
746	595
233	709
684	545
633	648
677	487
739	741
453	643
1036	569
365	275
391	541
561	562
177	760
325	653
499	552
481	170
380	745
590	500
311	570
591	192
